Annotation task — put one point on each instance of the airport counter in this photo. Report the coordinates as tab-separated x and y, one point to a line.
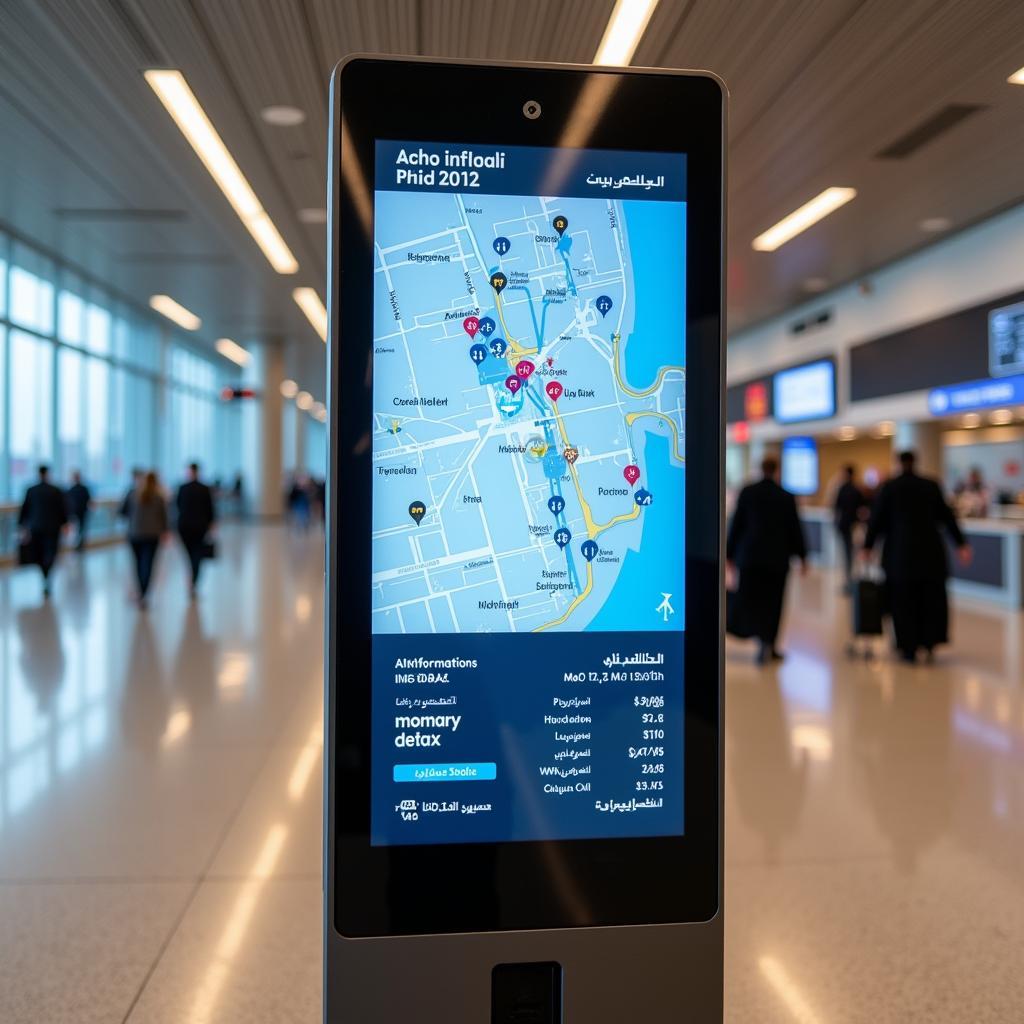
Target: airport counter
996	574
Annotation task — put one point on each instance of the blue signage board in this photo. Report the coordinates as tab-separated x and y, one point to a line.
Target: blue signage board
800	465
977	394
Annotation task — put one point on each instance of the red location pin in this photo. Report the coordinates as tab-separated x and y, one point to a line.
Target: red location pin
632	474
554	390
513	383
471	325
524	368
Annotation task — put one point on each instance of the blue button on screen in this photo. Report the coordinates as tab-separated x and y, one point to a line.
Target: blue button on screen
460	772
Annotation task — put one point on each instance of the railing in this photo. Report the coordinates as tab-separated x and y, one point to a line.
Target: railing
103	525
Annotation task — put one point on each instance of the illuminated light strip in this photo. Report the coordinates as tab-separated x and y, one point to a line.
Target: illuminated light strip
179	100
1017	78
309	302
779	980
232	350
801	219
175	312
626	27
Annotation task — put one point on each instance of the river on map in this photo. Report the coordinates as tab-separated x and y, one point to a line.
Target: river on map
657	568
657	250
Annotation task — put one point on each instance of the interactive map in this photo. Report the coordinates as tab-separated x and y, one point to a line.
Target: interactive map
529	383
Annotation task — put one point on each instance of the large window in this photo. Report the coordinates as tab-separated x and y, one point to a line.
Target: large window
88	383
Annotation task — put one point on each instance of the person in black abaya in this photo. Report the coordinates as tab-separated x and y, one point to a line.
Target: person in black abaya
764	536
910	516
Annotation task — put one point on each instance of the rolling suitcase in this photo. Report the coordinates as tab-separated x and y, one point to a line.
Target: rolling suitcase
867	612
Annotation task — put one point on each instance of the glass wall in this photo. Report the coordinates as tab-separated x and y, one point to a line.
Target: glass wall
88	383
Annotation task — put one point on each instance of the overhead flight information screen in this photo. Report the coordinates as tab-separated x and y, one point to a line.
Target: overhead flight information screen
528	448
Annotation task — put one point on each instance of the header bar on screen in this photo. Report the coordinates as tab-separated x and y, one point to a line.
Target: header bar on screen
529	171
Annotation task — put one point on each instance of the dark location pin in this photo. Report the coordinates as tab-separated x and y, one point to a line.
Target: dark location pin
498	347
486	326
556	503
478	354
589	549
643	497
554	390
513	383
417	510
501	245
498	281
560	223
562	536
604	304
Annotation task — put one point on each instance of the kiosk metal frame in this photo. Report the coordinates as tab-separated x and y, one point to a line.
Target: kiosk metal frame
618	947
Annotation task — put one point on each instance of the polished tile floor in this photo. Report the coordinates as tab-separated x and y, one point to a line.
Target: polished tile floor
160	806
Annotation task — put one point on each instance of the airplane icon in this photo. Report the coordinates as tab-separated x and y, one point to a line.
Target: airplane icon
665	607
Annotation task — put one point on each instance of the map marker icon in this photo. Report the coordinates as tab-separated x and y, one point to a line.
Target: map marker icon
603	304
560	223
562	536
556	503
478	354
524	368
471	325
554	390
498	347
501	245
498	281
632	474
417	510
589	549
513	383
486	326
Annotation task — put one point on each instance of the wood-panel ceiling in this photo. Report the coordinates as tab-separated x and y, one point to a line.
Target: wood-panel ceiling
818	87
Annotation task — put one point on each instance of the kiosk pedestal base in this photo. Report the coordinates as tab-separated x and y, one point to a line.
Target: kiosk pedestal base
660	974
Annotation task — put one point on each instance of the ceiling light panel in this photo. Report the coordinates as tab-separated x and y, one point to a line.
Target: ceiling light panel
310	304
625	29
804	217
175	312
180	102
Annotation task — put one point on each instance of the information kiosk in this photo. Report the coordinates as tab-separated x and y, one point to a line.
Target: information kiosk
523	802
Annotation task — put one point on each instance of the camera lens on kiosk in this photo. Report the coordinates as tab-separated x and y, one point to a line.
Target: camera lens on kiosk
531	109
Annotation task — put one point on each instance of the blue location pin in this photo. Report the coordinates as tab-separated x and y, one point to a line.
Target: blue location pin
501	245
643	497
486	327
478	354
562	536
556	503
498	347
604	304
589	549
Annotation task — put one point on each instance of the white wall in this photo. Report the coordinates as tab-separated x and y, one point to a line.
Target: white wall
969	268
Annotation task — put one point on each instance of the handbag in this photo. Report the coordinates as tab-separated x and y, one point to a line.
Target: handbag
28	554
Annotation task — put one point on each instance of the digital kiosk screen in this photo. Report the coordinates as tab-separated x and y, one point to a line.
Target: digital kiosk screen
528	448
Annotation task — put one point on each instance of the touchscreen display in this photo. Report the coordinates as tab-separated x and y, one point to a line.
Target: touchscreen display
528	486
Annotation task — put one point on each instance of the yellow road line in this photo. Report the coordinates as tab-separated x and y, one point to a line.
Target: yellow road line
621	382
632	417
580	597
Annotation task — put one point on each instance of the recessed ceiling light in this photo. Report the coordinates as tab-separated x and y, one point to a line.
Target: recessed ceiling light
885	429
933	225
804	217
847	433
189	116
1017	78
1000	417
176	312
971	420
310	304
815	284
313	215
304	400
281	115
625	28
289	389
